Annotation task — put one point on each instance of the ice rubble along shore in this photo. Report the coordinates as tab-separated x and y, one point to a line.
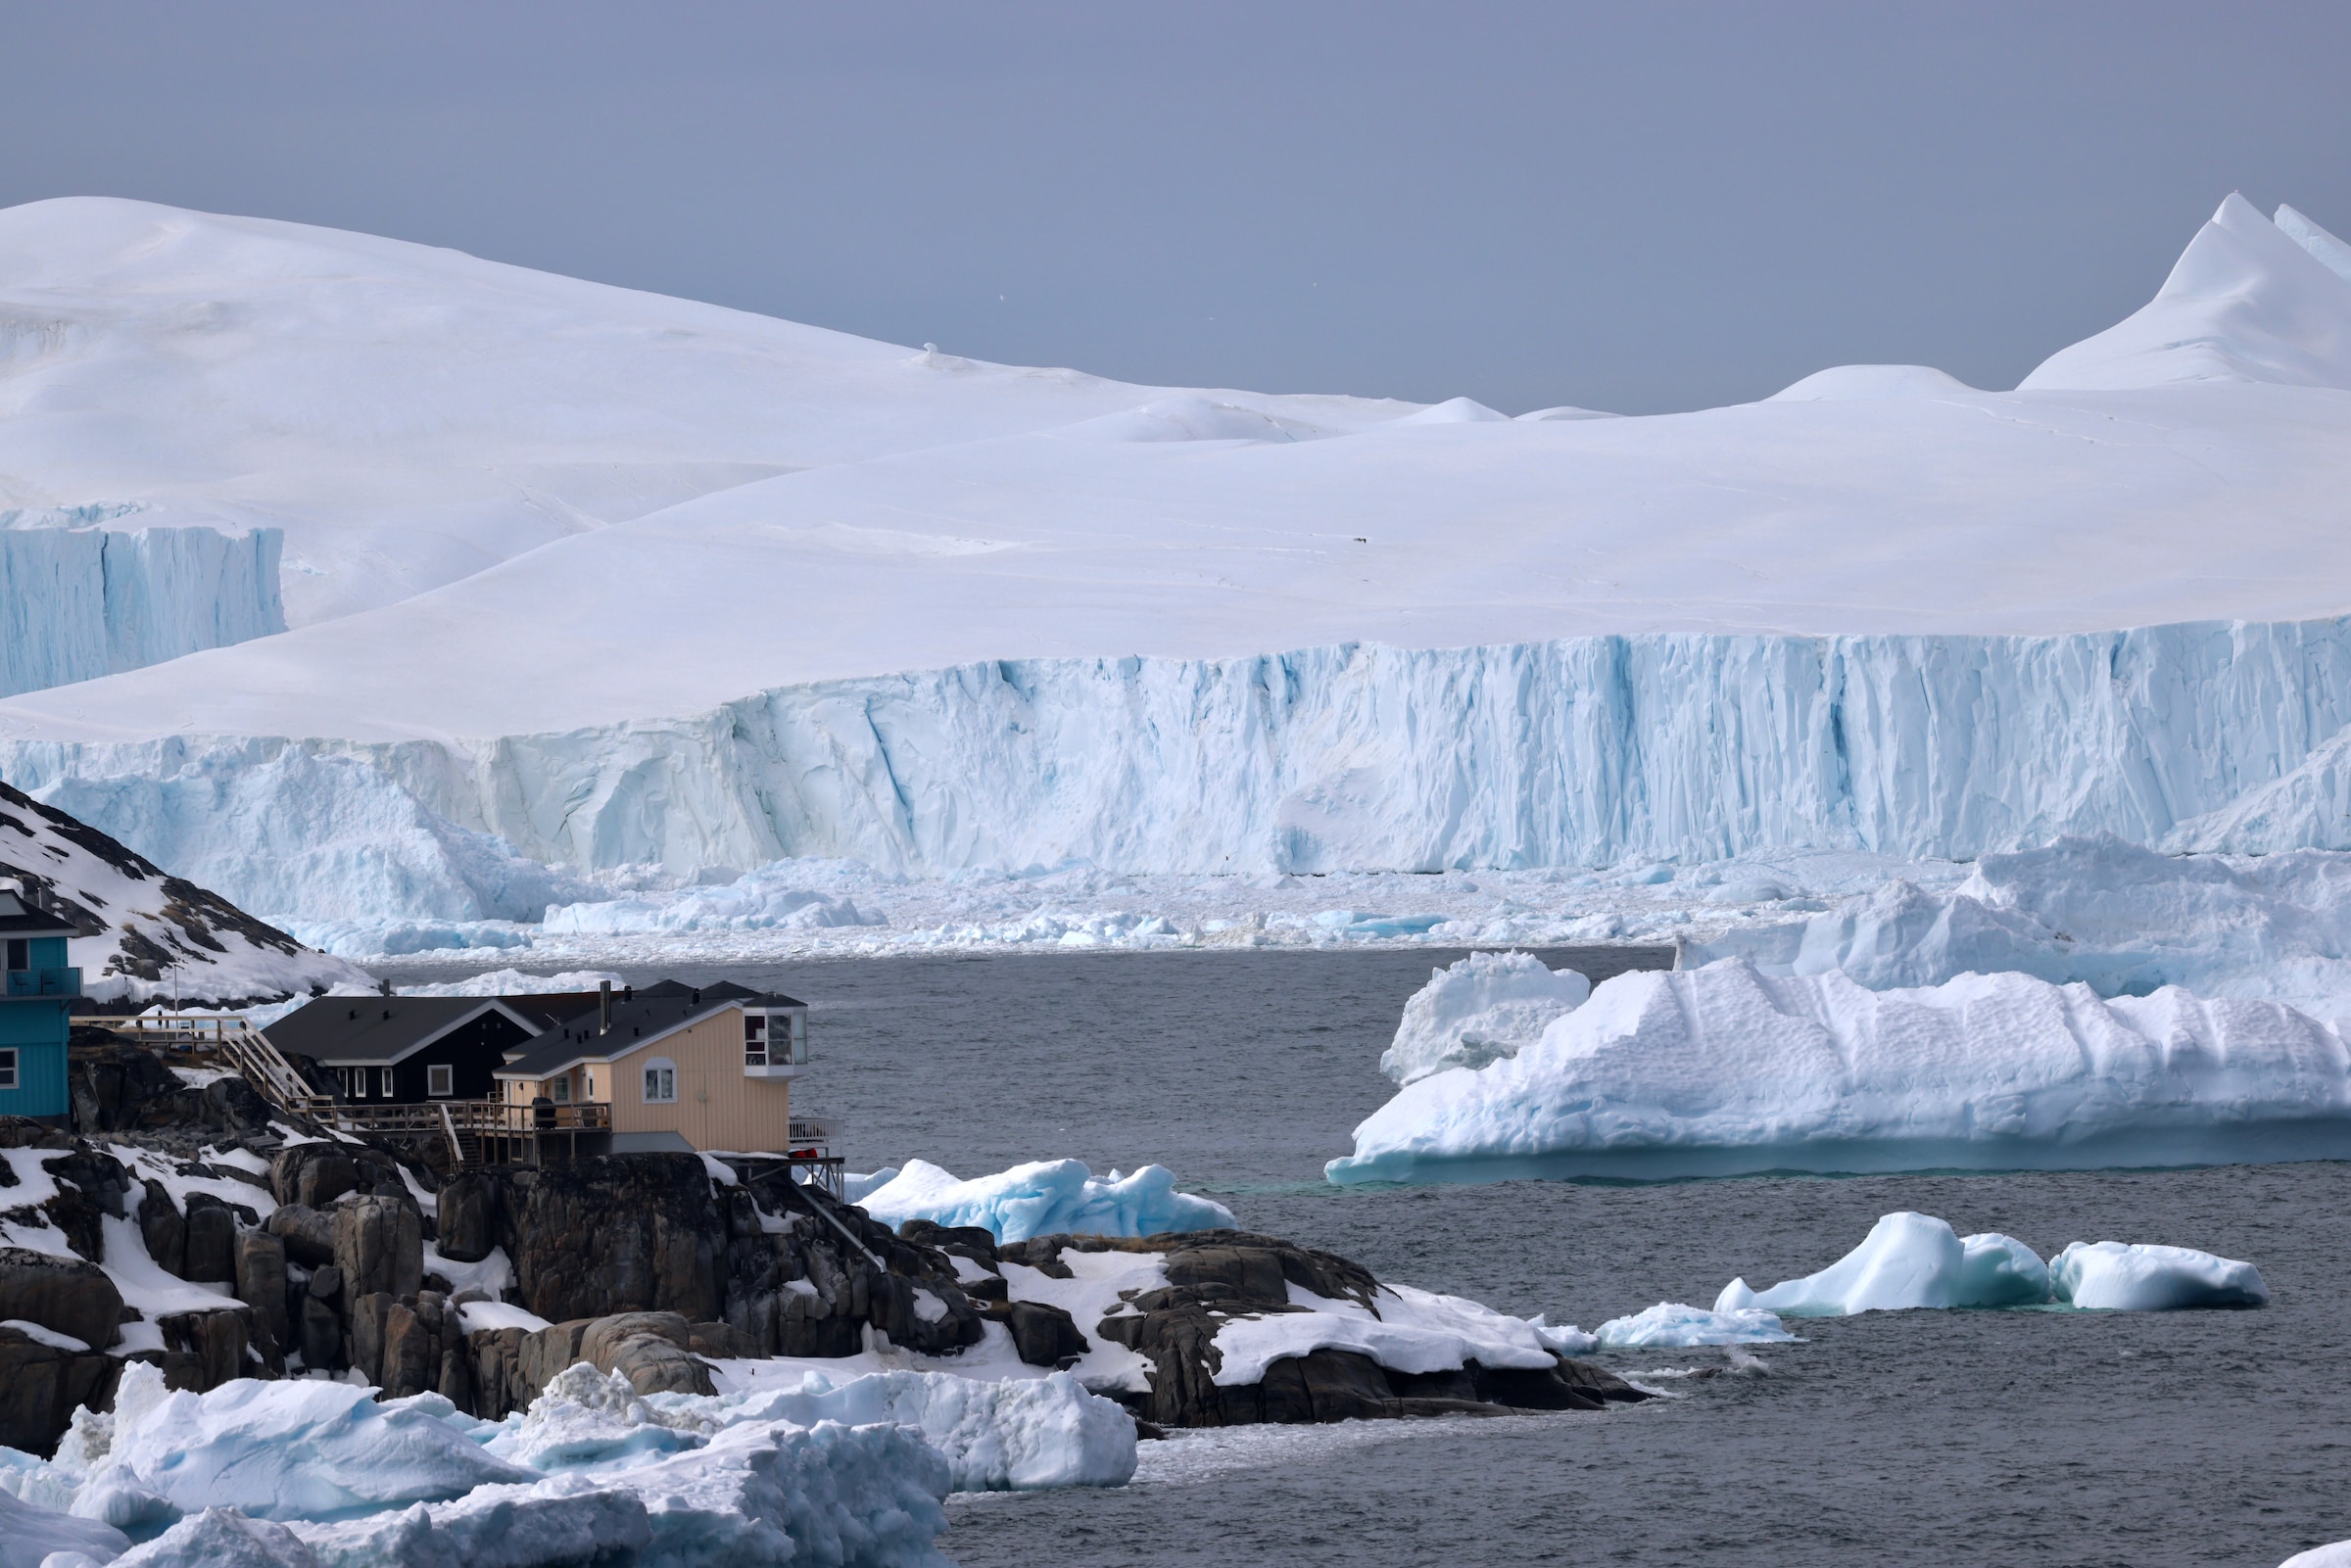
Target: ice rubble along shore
934	702
1723	1070
1043	1198
1916	1260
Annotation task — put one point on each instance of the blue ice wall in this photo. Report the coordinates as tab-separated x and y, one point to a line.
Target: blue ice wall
76	603
1589	751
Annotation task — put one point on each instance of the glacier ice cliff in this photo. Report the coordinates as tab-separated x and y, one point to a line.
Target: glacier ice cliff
79	603
1588	751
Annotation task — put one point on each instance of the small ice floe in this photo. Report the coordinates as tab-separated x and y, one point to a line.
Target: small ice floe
1916	1260
1671	1323
1045	1197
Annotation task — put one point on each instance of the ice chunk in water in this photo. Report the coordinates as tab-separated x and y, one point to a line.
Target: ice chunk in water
1671	1323
2153	1279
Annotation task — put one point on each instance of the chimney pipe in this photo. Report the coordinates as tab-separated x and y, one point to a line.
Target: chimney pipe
604	992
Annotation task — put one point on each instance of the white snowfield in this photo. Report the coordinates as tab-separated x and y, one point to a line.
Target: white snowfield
1043	1198
1915	1260
305	1473
1724	1069
746	591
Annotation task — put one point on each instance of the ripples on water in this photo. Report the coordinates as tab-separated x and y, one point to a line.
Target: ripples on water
2206	1439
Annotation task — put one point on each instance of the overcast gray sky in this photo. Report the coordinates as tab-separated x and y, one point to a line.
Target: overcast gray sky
1635	207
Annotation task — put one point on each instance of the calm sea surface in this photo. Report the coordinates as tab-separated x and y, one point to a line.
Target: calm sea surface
2210	1439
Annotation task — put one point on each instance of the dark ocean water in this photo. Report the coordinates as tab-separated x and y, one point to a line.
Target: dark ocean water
2210	1439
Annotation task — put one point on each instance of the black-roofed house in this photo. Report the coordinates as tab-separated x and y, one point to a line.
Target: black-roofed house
410	1050
675	1066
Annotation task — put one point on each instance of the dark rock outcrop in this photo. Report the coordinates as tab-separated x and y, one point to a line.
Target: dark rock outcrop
379	1247
1214	1277
42	1384
63	1295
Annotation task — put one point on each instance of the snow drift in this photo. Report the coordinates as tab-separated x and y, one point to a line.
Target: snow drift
1045	1198
1723	1070
79	603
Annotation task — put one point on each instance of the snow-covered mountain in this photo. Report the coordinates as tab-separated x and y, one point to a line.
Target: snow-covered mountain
148	933
706	590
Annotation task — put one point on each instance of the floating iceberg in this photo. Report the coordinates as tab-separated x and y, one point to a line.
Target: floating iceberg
1045	1197
2137	1279
1670	1323
2118	916
1483	1008
1906	1261
1914	1260
1723	1070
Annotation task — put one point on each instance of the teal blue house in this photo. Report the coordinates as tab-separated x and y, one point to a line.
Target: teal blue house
35	1010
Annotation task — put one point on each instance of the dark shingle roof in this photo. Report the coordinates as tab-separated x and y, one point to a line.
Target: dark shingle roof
636	1019
20	918
381	1029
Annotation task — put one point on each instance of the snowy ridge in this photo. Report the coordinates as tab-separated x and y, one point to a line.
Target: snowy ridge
151	934
76	603
1583	752
2249	300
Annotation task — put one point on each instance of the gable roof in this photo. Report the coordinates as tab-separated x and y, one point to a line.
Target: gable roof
19	918
382	1030
639	1020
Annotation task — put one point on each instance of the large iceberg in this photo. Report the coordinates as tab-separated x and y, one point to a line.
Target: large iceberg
1916	1260
1482	1009
1045	1198
2115	916
1723	1070
1733	665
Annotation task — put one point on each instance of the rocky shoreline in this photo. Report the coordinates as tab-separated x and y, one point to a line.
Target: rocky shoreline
186	1228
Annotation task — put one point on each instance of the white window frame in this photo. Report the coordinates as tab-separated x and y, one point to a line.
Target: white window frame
558	1089
12	1076
441	1079
658	1082
383	1083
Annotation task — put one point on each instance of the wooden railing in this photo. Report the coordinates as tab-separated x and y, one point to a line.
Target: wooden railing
470	1117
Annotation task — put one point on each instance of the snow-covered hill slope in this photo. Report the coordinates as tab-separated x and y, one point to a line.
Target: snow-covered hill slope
1067	620
409	415
150	934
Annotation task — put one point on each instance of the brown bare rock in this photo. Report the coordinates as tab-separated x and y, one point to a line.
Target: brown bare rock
379	1246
